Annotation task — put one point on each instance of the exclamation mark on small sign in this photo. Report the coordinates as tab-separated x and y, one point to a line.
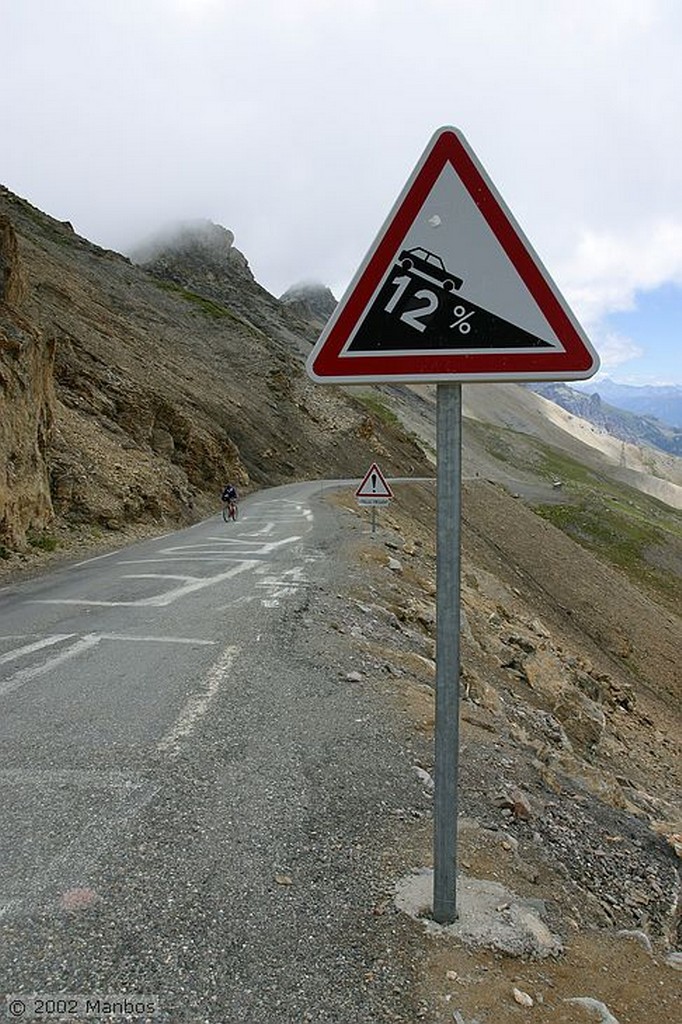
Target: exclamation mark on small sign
374	482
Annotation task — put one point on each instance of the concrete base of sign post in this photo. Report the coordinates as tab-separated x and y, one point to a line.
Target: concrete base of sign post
487	915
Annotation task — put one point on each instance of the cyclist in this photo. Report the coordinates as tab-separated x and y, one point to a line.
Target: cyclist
230	497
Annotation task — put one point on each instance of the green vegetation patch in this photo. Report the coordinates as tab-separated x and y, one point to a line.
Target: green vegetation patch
621	533
211	310
43	541
377	408
530	455
621	525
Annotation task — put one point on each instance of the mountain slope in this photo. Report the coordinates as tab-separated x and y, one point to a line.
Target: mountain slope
626	425
157	394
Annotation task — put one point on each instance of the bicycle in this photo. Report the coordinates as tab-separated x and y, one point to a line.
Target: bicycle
230	511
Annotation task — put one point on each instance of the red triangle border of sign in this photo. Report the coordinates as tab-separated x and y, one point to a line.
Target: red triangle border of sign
370	494
577	360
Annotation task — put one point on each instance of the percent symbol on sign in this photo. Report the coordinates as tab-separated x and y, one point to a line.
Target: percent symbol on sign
461	323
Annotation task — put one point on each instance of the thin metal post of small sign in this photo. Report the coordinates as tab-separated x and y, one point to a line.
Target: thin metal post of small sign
449	488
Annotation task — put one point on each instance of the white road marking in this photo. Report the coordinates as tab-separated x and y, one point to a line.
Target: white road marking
234	540
198	555
280	519
268	528
157	639
218	559
19	652
26	674
287	585
157	576
197	705
160	600
97	558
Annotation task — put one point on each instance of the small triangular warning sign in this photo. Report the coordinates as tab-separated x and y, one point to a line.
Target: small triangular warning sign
374	484
451	290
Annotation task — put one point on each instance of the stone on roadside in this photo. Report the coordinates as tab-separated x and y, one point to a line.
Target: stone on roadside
522	998
424	777
582	719
605	1015
521	807
354	677
639	936
517	803
394	565
480	691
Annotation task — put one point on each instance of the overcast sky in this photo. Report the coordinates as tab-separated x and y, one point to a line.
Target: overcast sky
296	124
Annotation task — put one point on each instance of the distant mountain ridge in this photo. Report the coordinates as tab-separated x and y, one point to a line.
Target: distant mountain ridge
311	300
662	401
621	423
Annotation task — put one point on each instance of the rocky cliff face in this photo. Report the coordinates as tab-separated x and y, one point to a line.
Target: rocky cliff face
312	301
130	394
27	405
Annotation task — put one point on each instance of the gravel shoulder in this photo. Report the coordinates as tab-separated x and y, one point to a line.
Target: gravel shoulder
570	757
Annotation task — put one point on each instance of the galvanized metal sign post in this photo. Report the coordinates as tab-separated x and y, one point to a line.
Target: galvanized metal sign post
448	590
450	291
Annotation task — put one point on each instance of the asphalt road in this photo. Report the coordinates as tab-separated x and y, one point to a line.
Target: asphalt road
196	804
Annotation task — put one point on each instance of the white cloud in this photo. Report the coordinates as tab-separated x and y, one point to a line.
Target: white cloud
296	124
614	348
606	270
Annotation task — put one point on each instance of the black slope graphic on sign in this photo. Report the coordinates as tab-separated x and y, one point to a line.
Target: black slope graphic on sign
419	308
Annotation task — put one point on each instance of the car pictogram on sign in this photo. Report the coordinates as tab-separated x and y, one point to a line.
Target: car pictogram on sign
429	266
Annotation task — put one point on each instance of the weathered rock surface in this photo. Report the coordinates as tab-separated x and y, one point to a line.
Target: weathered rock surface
129	394
314	302
27	404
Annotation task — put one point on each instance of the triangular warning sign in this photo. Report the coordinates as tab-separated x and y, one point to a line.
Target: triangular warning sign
451	290
374	484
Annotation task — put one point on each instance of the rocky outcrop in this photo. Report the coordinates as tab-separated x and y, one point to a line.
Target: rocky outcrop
26	405
314	302
197	251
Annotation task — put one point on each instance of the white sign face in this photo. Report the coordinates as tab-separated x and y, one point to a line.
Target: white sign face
453	241
451	290
374	489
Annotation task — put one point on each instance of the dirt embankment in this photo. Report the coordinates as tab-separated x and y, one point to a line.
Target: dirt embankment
570	753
